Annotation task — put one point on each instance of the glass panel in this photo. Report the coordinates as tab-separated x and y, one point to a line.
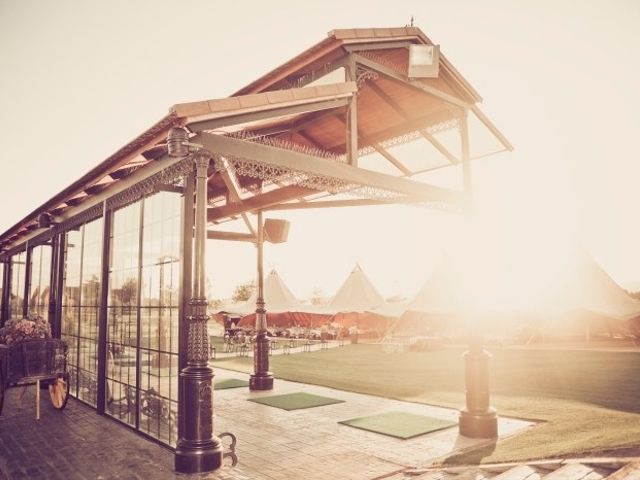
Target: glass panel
40	281
81	308
122	314
1	290
142	330
159	316
16	300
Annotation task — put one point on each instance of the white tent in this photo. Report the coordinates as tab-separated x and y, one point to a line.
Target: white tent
277	297
357	294
580	286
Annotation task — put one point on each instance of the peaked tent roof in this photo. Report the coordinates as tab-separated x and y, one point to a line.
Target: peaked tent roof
357	294
584	285
277	297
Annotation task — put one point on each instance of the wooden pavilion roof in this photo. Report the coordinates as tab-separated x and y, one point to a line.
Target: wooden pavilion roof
298	114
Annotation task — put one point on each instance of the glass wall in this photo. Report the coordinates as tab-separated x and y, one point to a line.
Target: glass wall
142	332
122	316
1	293
81	307
16	300
40	284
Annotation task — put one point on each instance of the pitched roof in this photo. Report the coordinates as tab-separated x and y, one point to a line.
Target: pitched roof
290	108
357	294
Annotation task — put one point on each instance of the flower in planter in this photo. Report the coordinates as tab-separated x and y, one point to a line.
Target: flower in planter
29	328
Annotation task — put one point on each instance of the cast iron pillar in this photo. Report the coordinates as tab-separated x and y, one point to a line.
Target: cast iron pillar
197	450
262	379
477	419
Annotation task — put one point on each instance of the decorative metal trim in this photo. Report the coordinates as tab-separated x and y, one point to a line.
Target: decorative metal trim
86	216
290	176
363	75
309	77
148	185
42	237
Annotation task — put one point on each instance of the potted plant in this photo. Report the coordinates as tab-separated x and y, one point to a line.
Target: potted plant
19	329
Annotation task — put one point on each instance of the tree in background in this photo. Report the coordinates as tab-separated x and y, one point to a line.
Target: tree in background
243	292
318	297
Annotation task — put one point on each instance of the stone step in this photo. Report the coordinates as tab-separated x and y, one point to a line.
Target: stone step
571	471
630	471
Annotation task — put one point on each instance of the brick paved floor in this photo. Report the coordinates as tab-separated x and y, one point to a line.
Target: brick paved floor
272	443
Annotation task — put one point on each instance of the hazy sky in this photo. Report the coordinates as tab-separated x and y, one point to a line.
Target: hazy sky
79	79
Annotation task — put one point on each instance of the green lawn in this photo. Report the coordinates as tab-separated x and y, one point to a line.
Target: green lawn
585	401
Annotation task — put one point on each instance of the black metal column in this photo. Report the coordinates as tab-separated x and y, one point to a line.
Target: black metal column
197	449
477	419
5	292
59	292
27	280
103	354
262	379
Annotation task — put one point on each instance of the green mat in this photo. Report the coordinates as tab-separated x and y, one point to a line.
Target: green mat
296	401
230	383
399	424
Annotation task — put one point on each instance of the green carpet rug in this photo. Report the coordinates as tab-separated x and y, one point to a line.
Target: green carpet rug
230	383
399	424
296	401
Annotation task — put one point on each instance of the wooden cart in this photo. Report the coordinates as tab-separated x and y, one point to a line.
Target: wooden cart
30	362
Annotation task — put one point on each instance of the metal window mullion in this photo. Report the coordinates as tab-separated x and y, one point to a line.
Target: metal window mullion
27	281
138	308
61	268
53	288
79	313
107	219
5	289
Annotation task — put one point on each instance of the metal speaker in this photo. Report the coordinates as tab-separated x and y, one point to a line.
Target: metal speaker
424	61
276	231
44	220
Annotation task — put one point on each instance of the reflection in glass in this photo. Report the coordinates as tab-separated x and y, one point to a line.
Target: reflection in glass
1	290
39	289
81	308
16	295
142	330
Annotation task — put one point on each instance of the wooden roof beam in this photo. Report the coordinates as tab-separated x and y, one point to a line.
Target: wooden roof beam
384	70
233	187
248	117
382	151
403	113
258	202
231	236
339	203
289	159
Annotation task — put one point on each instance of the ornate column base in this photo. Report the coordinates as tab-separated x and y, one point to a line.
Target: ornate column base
197	451
201	458
477	419
262	379
478	424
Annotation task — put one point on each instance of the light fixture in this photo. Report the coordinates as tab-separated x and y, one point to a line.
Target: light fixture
424	61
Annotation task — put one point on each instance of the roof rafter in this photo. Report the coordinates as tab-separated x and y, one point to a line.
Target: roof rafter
383	69
288	159
403	113
258	202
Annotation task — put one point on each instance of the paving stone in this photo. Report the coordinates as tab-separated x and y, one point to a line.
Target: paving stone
272	444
